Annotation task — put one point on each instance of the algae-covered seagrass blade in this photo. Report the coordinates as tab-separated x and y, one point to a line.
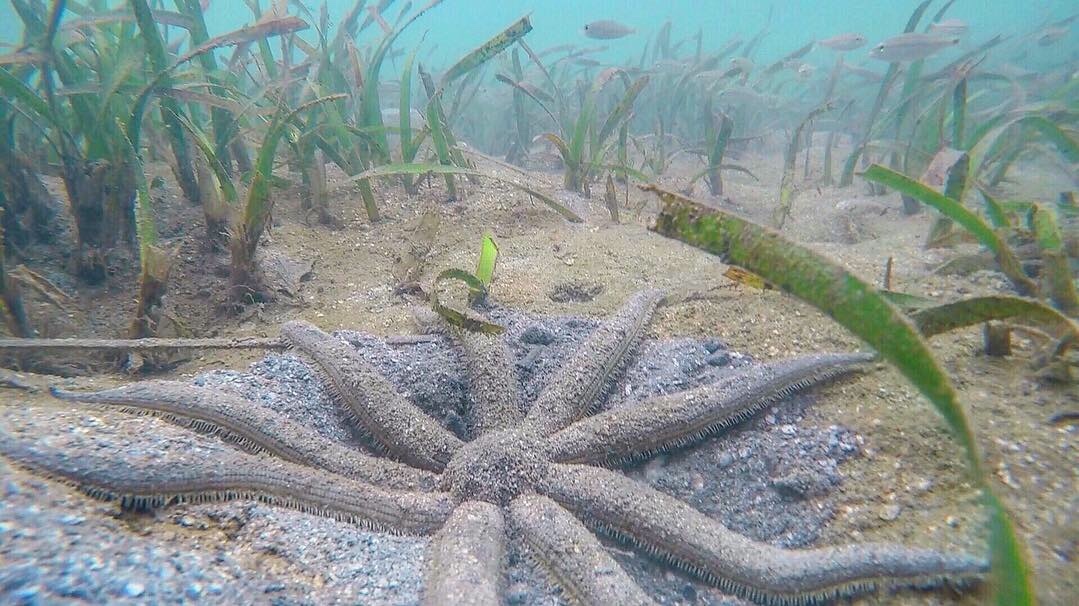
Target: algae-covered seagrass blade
858	307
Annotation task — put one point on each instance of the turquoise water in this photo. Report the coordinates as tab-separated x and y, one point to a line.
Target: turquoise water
456	26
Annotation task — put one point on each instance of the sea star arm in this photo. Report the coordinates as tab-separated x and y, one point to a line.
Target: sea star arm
681	535
593	366
393	423
254	428
236	476
570	555
464	561
489	366
492	383
677	420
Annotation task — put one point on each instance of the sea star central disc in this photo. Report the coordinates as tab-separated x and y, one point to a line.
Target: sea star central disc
495	468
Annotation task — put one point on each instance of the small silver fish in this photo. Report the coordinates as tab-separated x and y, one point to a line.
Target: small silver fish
742	64
742	95
805	71
1011	70
607	30
911	47
949	27
844	42
669	65
1050	35
710	75
862	72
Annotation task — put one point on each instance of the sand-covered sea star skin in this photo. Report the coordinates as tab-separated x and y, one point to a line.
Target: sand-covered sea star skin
678	420
571	556
495	400
496	467
509	481
239	476
254	428
587	373
465	560
489	365
392	422
690	540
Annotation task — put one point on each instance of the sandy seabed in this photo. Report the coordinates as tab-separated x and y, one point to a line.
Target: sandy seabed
902	479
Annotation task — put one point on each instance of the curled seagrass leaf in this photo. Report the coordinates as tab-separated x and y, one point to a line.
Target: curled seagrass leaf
462	319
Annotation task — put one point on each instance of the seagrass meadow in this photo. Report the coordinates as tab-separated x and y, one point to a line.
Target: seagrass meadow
458	302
